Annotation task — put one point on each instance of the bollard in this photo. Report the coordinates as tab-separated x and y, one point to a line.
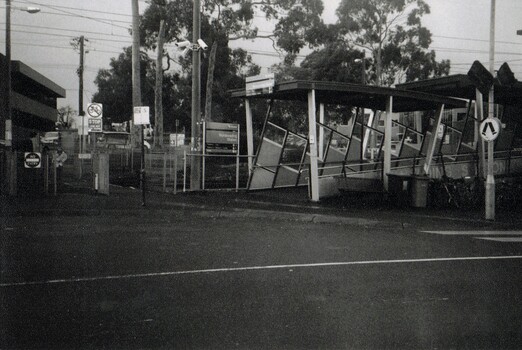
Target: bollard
175	173
164	172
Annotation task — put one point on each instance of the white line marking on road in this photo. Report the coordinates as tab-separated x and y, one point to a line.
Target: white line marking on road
502	239
254	268
476	233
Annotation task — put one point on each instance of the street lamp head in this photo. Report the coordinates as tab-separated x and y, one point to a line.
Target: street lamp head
31	9
28	9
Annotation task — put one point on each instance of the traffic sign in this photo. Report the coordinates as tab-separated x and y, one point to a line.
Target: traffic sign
95	125
84	156
95	110
33	160
489	129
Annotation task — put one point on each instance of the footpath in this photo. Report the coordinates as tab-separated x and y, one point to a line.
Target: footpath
78	199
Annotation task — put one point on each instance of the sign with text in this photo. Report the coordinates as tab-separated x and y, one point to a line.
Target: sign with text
221	138
177	140
260	84
95	125
32	160
141	115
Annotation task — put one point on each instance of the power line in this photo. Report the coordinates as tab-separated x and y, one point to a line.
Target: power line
476	40
61	47
77	31
68	36
76	8
68	13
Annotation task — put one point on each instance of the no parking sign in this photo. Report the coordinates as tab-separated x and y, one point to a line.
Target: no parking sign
95	113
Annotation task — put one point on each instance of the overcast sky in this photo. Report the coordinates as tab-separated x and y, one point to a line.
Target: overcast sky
460	31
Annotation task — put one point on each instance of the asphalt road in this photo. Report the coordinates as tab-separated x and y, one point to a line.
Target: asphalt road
183	281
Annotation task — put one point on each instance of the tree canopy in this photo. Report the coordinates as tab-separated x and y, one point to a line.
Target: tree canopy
392	32
384	37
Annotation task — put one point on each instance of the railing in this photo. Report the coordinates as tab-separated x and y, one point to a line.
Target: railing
219	171
170	171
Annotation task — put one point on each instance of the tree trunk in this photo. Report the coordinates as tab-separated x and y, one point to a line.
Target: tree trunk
136	83
158	93
210	82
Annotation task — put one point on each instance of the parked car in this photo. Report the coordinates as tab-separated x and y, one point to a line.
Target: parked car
50	140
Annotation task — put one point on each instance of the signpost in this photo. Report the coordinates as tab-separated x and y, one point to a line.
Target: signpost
141	116
95	114
489	129
221	138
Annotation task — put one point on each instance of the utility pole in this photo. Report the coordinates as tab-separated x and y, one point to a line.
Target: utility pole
490	178
11	168
80	100
158	93
80	75
136	87
195	171
8	127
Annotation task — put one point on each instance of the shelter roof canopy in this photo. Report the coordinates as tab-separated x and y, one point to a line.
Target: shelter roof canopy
460	86
356	95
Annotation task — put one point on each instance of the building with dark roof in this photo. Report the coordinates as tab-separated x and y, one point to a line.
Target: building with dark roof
33	102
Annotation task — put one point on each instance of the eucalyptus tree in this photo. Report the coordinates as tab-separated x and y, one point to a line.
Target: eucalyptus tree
293	25
115	88
392	33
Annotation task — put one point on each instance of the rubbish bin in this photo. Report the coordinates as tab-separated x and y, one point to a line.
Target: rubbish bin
398	189
419	191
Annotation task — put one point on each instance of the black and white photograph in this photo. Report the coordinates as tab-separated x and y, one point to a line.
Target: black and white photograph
261	174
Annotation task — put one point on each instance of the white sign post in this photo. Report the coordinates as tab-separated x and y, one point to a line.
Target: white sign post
142	117
95	114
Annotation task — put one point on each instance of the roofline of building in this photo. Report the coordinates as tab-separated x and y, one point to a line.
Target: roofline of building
22	68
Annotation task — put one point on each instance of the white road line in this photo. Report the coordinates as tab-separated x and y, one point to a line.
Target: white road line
254	268
502	239
476	233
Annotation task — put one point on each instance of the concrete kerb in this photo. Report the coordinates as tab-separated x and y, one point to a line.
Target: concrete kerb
289	216
241	208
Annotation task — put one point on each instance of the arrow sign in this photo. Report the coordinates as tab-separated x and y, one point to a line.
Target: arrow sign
489	129
489	125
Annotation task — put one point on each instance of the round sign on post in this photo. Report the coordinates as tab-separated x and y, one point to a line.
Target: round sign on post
32	160
95	110
490	129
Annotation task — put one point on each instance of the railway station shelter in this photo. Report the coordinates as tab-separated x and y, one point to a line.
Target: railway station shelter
368	147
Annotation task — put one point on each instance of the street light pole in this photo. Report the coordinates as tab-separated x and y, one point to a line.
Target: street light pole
8	122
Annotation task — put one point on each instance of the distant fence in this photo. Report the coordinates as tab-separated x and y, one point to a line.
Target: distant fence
170	171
